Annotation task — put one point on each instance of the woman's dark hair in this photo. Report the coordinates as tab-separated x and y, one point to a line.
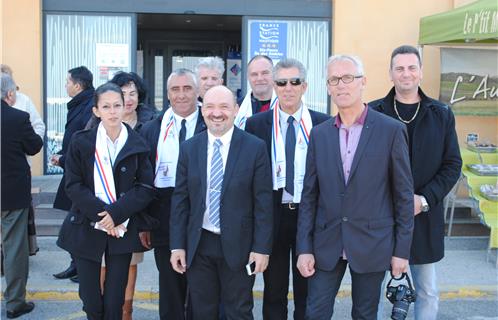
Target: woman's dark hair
108	86
123	78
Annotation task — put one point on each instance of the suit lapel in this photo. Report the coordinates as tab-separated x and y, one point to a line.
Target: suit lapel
366	133
202	160
200	125
233	156
336	150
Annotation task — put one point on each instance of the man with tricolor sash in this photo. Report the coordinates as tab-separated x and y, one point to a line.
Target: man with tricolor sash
164	135
285	129
260	97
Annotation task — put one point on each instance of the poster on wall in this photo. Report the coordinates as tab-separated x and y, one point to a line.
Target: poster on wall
234	73
111	58
469	81
269	38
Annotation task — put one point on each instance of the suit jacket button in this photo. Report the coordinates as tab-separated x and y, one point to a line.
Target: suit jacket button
123	169
121	194
72	219
345	219
92	224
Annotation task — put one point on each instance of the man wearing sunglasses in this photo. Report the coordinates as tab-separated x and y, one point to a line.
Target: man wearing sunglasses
261	97
357	200
285	129
436	165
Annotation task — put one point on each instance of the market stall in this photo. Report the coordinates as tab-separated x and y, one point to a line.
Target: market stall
468	37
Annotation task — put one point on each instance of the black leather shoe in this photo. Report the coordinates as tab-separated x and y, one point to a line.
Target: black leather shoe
27	308
75	279
66	274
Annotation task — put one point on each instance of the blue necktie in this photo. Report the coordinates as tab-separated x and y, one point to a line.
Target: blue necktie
290	149
215	183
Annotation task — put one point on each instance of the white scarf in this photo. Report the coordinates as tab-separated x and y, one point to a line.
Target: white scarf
103	176
278	152
168	149
245	109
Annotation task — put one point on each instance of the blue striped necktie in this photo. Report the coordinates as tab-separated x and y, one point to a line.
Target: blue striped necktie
215	183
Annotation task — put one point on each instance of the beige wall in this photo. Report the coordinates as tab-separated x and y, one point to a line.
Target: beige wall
372	29
21	49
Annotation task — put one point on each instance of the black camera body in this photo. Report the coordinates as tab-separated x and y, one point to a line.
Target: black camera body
400	296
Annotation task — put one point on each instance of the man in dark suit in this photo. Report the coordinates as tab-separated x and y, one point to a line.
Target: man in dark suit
436	166
357	201
287	150
18	140
79	86
186	120
221	212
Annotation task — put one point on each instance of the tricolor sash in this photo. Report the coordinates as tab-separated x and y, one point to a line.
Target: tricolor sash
168	149
278	152
245	109
103	176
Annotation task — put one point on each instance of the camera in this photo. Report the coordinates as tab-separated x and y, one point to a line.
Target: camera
400	296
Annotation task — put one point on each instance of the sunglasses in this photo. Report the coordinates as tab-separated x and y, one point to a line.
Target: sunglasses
293	82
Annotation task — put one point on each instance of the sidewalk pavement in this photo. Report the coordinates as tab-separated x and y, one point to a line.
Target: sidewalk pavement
463	273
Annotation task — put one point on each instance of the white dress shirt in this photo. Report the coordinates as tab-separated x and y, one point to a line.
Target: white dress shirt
224	148
189	124
287	197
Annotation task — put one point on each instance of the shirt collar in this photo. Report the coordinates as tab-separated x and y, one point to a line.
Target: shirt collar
360	121
225	139
297	115
189	118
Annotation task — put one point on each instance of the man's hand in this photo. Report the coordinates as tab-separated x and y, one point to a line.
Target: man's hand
417	204
54	160
145	239
398	266
178	261
106	221
261	261
306	264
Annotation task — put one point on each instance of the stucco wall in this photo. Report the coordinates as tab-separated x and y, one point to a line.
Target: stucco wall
21	49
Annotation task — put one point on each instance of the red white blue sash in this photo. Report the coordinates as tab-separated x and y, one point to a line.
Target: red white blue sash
278	151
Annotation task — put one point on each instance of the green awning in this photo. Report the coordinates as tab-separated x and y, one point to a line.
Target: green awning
474	23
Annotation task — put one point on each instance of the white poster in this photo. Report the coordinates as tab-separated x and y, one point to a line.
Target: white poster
112	55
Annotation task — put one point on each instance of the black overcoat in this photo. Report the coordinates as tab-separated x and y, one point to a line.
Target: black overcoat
133	182
436	165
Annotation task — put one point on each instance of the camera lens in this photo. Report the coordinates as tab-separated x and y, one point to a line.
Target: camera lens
400	310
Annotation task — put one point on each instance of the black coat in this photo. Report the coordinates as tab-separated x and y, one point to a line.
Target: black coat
133	181
160	207
436	166
79	111
18	140
260	125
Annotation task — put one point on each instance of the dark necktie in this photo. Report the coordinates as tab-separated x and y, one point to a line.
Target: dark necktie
183	131
290	149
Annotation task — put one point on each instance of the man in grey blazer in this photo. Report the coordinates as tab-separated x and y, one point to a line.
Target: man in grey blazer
357	201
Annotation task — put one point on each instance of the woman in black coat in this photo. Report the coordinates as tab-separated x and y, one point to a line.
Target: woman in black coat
135	114
96	201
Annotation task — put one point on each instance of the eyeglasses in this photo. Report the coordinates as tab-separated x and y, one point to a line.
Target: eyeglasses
293	82
347	78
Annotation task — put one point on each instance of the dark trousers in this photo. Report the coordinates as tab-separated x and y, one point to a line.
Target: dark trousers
15	256
276	276
172	287
210	280
323	287
108	306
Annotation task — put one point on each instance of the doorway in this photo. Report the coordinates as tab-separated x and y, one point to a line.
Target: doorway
167	42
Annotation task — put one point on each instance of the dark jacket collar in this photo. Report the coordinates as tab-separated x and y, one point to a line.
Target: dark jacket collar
84	95
387	103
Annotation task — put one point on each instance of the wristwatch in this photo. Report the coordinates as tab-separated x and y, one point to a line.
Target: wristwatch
425	205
